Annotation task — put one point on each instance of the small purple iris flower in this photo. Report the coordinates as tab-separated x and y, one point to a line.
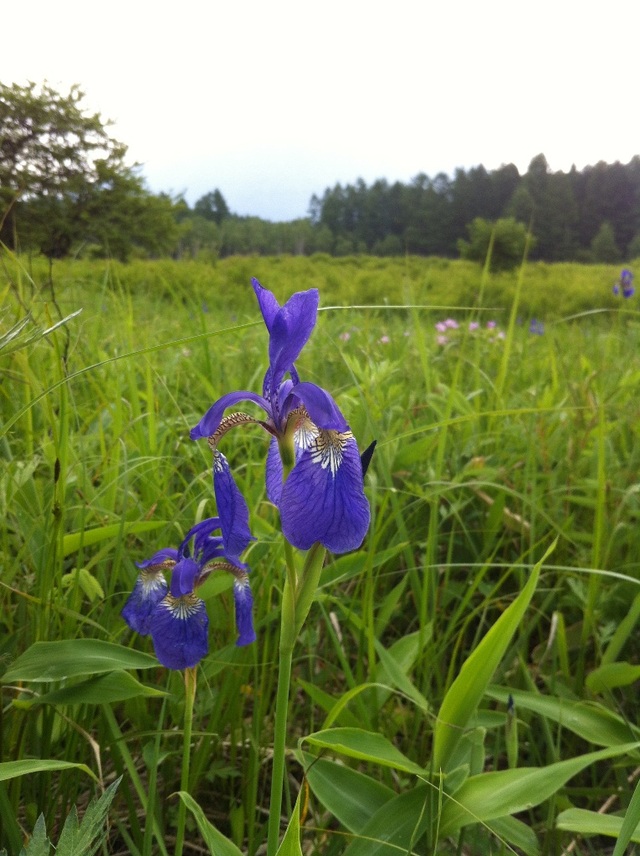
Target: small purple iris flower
624	284
173	615
321	495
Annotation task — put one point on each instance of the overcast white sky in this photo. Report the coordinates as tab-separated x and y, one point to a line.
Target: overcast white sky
274	100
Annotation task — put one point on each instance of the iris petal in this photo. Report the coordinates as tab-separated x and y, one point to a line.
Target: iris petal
212	418
243	599
320	406
269	306
274	473
167	554
323	497
290	330
183	577
180	631
232	507
147	593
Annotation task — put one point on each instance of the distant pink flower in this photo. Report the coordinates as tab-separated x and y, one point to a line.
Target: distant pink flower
442	340
452	323
491	325
344	337
473	325
384	340
441	326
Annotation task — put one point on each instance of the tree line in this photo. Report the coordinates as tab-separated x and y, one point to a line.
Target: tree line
66	187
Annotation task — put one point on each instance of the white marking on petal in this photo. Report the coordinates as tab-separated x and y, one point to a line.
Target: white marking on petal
151	582
182	607
327	448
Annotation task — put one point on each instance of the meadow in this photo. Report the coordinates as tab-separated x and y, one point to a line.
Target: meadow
466	682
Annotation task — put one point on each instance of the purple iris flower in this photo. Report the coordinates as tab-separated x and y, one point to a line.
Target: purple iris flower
624	284
173	615
320	495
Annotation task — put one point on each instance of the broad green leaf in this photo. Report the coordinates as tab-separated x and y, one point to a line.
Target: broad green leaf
349	795
101	689
218	844
290	844
364	745
463	696
584	822
490	795
13	769
74	540
395	827
612	675
70	658
588	720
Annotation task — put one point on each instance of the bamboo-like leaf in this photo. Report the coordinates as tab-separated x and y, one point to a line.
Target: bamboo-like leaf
351	797
71	658
610	675
395	827
74	540
463	696
588	720
584	822
101	689
364	745
505	792
218	844
14	769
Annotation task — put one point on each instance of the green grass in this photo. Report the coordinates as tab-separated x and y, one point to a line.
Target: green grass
489	450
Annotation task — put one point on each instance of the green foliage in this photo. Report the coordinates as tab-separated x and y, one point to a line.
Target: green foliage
502	243
603	245
487	453
65	182
78	838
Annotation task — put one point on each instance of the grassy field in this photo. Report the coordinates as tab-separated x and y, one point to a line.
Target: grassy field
466	682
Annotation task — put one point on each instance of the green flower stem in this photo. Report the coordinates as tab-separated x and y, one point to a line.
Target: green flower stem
189	699
279	740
